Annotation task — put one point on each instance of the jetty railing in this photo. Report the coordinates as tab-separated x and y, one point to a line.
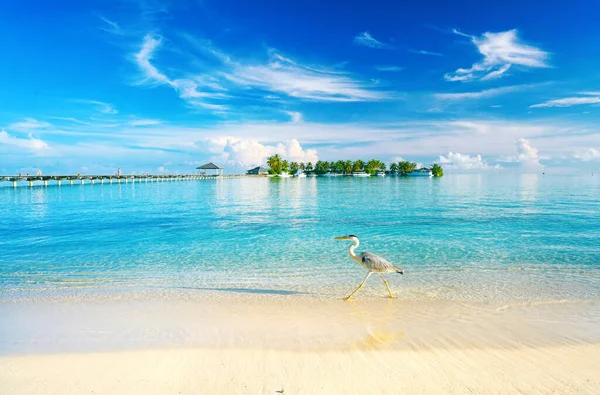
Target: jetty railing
110	179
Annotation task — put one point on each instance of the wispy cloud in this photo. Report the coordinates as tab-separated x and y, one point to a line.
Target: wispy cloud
278	75
501	51
484	93
389	68
104	108
144	122
187	88
570	101
143	57
111	27
295	116
71	119
367	40
303	82
29	123
208	106
423	52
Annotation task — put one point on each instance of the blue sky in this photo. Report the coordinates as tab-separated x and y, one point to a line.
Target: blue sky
152	86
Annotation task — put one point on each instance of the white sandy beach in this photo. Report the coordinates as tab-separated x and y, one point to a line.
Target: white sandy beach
560	369
264	344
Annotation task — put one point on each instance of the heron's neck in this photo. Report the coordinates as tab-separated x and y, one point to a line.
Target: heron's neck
353	247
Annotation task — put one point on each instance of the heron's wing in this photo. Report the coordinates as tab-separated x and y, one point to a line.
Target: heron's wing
376	263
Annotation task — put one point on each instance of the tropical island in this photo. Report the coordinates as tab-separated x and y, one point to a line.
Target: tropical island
279	166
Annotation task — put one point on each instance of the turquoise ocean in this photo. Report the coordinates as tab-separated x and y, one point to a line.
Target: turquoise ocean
492	237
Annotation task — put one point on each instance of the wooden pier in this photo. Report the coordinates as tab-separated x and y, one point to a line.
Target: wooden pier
109	179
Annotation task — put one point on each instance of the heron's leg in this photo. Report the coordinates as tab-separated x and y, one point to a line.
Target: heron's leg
386	284
359	287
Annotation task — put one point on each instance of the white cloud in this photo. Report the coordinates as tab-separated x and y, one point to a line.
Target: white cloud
278	75
295	116
111	27
367	40
144	122
29	123
304	82
500	51
144	56
389	68
249	152
102	107
102	147
187	88
423	52
293	151
481	94
569	101
218	108
528	155
31	143
587	155
590	93
465	162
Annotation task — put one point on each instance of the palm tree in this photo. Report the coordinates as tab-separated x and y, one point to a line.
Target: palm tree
358	165
406	167
348	166
437	170
294	168
275	164
374	165
285	167
321	167
394	168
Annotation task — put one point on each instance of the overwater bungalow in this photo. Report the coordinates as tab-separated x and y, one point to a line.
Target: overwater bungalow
422	172
211	168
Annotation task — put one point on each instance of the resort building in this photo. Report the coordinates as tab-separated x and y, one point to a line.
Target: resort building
259	171
211	168
422	172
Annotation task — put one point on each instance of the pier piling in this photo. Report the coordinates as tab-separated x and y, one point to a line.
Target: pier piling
93	178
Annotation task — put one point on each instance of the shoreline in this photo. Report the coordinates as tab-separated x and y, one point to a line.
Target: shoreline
291	322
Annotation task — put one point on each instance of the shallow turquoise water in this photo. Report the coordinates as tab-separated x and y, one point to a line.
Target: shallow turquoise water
478	237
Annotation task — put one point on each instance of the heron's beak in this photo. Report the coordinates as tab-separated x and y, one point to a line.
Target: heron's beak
342	238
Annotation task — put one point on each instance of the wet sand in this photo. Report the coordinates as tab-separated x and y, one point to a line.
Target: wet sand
266	343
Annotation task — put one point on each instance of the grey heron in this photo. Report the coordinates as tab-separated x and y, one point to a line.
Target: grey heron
373	263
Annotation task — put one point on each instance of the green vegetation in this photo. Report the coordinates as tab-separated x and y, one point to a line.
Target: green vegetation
373	166
406	167
294	168
275	164
321	167
278	165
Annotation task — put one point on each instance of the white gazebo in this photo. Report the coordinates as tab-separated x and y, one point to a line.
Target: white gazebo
210	168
